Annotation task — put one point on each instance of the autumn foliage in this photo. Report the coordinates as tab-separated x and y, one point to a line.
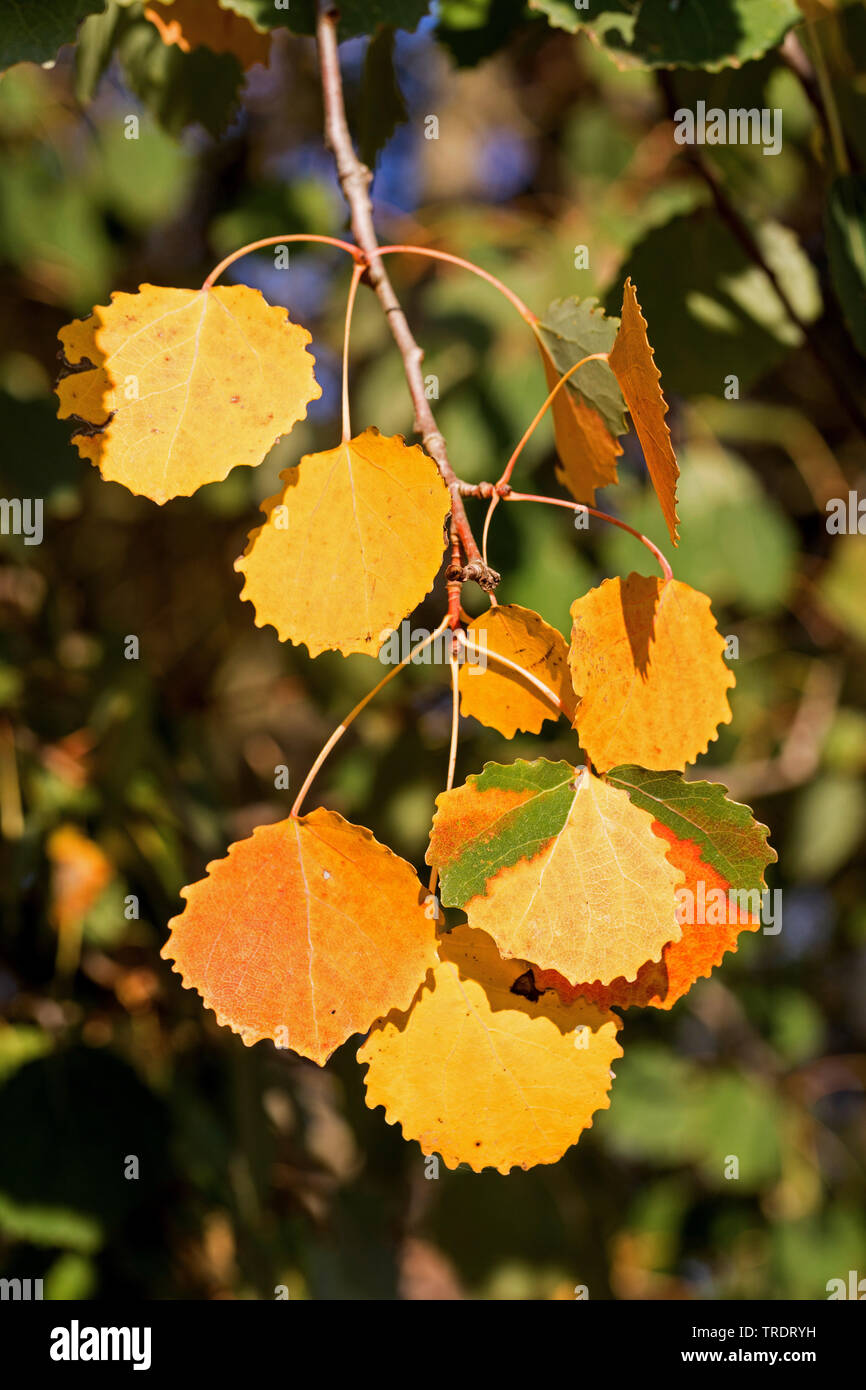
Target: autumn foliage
490	1033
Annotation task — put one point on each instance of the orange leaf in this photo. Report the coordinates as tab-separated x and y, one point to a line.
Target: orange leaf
659	984
305	934
560	870
646	658
633	364
481	1074
587	450
204	23
351	545
177	387
499	697
80	871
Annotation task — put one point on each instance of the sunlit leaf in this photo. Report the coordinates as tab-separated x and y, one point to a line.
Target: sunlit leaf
632	361
560	868
350	546
304	934
177	387
647	660
498	696
483	1075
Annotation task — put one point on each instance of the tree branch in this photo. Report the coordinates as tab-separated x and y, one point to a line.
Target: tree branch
355	179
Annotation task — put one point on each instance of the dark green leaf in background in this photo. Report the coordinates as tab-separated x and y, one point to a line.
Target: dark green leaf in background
845	220
382	104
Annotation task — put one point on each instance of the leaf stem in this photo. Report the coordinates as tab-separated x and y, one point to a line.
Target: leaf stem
217	271
362	704
602	516
357	272
467	642
525	313
452	748
542	411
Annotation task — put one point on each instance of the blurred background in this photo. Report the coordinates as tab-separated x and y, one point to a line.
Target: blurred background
121	779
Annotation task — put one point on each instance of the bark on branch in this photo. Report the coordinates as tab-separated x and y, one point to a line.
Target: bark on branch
355	179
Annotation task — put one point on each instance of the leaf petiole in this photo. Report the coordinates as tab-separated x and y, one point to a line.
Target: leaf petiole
602	516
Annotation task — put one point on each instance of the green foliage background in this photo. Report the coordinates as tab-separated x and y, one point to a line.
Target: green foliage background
258	1169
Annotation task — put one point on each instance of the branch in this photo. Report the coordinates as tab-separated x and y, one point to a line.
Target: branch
355	179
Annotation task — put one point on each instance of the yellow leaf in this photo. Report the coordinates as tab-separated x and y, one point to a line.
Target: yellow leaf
633	364
177	387
646	658
594	897
351	545
204	23
587	450
305	933
501	698
481	1074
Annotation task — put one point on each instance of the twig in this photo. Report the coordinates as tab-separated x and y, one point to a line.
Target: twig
355	178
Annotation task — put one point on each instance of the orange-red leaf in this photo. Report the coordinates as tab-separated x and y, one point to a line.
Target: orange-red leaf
714	929
350	546
587	450
482	1074
177	387
305	934
633	364
646	660
500	697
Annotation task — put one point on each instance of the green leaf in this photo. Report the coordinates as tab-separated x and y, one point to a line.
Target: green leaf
730	319
180	89
472	30
382	107
708	34
33	30
575	328
511	834
356	16
617	16
845	221
99	37
730	839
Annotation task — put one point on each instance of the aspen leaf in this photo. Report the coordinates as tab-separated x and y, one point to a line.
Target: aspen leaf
205	23
711	923
633	364
499	697
587	450
560	868
481	1074
350	546
174	388
305	933
646	659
